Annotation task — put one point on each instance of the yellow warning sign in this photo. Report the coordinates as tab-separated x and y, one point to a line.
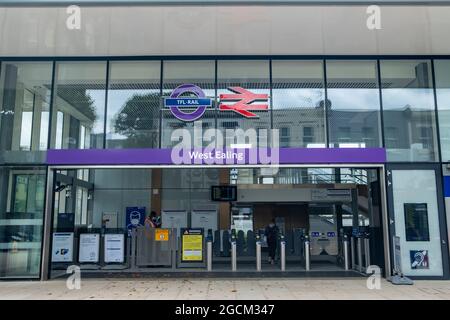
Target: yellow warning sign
161	234
192	245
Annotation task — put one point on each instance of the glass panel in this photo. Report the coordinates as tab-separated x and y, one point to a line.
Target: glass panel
21	220
442	76
298	103
408	107
176	73
417	222
80	97
252	76
133	105
354	104
24	104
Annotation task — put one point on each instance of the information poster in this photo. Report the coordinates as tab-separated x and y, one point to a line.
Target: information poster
416	222
89	247
62	247
114	248
192	245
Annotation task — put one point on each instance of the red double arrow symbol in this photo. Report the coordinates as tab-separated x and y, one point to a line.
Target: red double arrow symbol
244	99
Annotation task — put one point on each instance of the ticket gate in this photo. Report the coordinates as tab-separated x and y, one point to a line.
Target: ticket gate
153	247
360	249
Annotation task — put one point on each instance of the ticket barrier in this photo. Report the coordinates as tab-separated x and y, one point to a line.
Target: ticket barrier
282	253
360	249
209	252
258	254
307	253
153	247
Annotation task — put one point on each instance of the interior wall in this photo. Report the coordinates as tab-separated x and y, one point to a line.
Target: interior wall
295	215
114	190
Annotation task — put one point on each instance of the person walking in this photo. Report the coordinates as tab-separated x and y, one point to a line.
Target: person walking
271	234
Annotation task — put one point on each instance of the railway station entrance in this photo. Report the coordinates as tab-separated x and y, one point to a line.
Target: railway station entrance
214	221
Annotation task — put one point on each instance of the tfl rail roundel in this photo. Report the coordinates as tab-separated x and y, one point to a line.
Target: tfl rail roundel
240	101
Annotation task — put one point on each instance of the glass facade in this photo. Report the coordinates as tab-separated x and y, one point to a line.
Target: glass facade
401	105
249	75
78	115
25	90
119	104
298	95
442	76
21	220
132	117
176	73
409	110
353	122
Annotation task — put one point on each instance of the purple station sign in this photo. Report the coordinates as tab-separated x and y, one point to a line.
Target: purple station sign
216	157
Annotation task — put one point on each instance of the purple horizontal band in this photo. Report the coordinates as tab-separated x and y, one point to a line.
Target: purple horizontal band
164	156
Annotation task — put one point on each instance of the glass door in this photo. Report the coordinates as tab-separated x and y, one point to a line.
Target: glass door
416	216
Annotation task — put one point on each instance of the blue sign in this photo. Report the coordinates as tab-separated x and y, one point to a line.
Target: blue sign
447	186
331	234
419	259
315	234
134	217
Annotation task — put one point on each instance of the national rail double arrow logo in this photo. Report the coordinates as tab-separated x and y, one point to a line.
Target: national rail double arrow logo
244	102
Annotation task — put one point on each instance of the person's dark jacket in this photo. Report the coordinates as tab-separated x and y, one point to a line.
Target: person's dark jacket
271	233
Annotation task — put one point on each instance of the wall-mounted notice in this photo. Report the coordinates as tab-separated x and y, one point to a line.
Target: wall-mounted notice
89	247
192	245
62	247
114	248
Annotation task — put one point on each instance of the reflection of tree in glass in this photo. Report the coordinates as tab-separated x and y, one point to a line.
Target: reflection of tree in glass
138	120
80	99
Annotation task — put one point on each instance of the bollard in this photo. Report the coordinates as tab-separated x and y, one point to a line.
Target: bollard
307	258
233	256
258	256
133	248
283	255
346	262
359	251
367	251
352	251
209	255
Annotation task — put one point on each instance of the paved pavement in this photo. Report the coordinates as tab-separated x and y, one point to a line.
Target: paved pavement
185	289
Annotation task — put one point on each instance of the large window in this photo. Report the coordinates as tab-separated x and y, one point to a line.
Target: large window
24	105
198	73
253	76
298	103
79	105
442	75
408	107
132	119
21	216
353	104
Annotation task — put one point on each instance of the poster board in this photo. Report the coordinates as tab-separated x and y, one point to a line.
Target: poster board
114	249
416	222
89	247
192	245
62	247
